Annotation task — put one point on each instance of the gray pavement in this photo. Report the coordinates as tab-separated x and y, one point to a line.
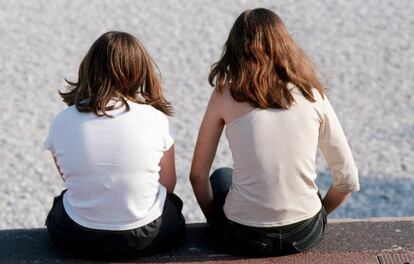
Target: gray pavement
361	241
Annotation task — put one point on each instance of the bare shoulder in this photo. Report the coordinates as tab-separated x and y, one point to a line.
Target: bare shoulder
221	96
220	100
228	108
224	99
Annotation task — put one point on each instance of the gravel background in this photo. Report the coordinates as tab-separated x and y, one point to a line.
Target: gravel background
363	49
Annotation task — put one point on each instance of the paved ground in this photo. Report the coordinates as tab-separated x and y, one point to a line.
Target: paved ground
365	241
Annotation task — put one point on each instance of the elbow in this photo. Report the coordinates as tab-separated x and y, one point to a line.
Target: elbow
169	183
171	186
193	179
197	178
347	187
347	183
354	180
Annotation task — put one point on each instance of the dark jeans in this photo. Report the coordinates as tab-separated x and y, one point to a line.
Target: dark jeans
262	241
104	244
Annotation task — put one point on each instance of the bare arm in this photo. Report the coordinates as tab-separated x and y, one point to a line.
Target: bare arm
168	176
333	199
205	150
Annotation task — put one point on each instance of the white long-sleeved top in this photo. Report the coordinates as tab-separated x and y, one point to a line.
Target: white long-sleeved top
274	152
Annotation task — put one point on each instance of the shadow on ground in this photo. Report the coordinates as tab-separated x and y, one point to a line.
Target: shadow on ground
376	198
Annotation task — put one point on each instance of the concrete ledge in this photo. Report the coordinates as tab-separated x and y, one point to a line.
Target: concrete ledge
347	241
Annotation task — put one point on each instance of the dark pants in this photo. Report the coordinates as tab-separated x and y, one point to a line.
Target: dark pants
104	244
262	241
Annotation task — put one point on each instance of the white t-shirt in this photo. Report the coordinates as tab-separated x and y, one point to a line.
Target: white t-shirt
111	165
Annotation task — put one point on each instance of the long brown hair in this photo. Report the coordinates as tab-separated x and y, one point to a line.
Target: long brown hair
259	59
116	67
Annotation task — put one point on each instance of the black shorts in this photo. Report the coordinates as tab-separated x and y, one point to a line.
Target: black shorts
104	244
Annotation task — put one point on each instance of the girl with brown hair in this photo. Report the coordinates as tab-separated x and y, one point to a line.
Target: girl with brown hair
114	150
275	114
